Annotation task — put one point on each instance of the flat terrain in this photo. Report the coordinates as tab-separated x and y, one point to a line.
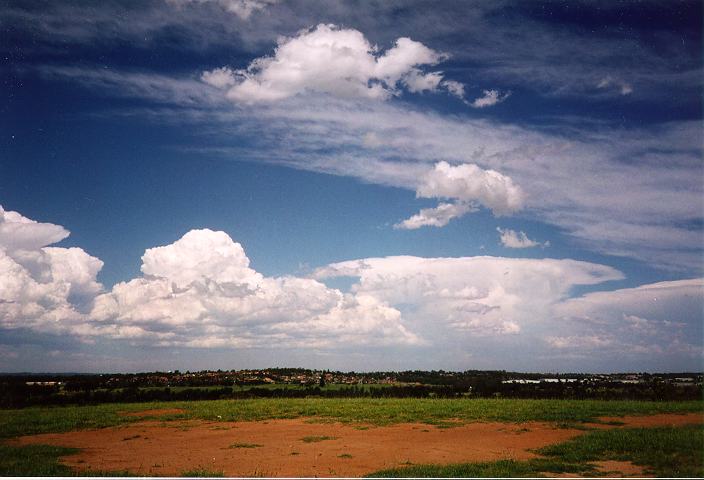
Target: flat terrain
300	448
320	437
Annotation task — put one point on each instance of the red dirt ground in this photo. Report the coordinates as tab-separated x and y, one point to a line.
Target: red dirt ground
277	448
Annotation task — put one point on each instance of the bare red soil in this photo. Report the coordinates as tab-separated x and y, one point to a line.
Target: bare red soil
277	447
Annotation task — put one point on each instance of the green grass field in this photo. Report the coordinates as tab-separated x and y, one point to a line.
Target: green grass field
675	445
374	411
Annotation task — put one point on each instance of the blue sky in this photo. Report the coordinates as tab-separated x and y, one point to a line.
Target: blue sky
351	185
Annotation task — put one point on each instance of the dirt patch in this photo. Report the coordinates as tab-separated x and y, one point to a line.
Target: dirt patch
618	469
154	448
169	448
658	420
607	469
153	413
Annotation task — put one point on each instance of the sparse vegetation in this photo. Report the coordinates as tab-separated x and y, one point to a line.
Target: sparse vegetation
662	451
43	461
316	438
245	445
671	452
202	472
33	460
665	451
498	469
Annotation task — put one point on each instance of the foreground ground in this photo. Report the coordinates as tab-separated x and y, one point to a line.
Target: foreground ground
315	437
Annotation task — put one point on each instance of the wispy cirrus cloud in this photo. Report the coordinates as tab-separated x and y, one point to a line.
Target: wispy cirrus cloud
592	182
530	48
241	8
624	88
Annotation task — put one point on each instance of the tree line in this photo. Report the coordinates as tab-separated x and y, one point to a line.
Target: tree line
17	394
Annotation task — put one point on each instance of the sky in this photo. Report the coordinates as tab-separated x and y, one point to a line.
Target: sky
351	185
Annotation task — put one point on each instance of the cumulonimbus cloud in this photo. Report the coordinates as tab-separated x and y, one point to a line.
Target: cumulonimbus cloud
335	61
662	319
201	291
21	233
476	295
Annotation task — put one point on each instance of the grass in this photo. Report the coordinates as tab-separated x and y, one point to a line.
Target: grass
317	438
665	451
348	410
499	469
202	472
43	461
245	445
662	451
34	460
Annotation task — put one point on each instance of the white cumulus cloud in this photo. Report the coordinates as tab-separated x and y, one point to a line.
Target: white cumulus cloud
436	217
200	291
200	255
489	98
42	288
332	60
512	239
219	77
468	185
453	87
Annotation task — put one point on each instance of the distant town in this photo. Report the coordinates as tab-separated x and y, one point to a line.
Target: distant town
25	389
